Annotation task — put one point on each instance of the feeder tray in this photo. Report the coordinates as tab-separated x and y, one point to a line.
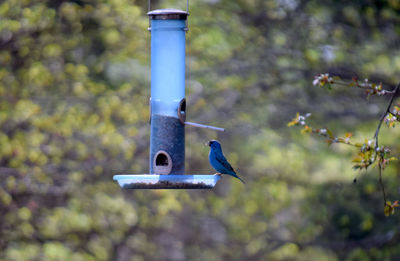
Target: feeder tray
167	181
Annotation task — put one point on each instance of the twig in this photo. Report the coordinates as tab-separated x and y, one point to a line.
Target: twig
345	84
381	184
376	135
396	90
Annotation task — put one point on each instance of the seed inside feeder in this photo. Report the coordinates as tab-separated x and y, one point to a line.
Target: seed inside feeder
166	126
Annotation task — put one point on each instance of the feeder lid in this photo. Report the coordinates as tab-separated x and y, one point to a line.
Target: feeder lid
167	181
168	14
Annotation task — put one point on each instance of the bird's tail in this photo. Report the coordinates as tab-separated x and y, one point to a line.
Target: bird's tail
240	179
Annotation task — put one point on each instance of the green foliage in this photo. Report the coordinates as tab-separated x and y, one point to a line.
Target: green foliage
74	89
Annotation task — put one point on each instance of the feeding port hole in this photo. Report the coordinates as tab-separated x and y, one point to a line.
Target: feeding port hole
161	160
162	163
182	111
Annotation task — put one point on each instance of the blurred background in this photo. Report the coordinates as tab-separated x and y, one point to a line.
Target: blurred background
74	91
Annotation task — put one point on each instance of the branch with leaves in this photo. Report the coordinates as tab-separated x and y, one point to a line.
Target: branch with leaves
369	152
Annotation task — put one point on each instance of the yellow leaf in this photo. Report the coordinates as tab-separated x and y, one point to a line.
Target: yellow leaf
348	135
306	129
292	123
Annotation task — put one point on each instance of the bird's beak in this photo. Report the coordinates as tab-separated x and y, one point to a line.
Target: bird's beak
207	144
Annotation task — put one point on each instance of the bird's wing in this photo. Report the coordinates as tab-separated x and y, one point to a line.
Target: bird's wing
221	159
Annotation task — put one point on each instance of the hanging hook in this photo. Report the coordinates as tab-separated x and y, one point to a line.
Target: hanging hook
149	6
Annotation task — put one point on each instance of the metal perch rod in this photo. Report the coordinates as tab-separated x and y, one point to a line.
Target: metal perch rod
204	126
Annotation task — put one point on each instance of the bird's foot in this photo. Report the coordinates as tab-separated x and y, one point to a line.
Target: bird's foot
218	174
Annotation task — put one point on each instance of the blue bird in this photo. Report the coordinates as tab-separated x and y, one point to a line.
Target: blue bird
218	160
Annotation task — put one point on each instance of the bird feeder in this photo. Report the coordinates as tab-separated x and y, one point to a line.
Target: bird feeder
168	109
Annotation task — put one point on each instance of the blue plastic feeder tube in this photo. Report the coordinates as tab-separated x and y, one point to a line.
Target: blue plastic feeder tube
167	140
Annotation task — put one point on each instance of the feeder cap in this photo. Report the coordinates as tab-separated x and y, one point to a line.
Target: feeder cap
168	14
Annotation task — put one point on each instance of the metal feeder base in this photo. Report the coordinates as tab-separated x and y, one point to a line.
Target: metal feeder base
167	181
